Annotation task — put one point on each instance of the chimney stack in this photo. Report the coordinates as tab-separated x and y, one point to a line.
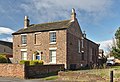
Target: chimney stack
26	22
84	34
73	15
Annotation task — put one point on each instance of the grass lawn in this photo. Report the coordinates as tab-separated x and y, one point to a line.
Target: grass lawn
93	75
97	75
51	78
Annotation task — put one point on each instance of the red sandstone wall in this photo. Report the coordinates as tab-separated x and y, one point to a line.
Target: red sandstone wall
12	70
22	71
43	70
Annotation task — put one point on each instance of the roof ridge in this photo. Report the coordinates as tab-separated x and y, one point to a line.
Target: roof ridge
57	25
50	22
5	41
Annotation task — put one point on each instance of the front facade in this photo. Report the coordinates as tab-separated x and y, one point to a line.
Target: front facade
59	42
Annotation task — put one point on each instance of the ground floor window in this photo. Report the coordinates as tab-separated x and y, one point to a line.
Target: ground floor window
24	55
53	56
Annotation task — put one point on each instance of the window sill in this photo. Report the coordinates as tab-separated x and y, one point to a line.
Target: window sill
52	43
23	44
36	44
52	63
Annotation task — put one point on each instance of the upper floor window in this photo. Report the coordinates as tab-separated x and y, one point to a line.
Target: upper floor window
52	36
24	39
37	38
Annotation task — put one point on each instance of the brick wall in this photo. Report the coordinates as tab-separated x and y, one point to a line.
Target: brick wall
23	71
74	58
74	34
43	70
80	76
12	70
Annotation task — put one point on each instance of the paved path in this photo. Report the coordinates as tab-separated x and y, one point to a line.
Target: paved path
7	79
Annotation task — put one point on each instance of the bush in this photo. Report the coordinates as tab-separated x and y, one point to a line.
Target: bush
25	62
32	62
3	59
36	62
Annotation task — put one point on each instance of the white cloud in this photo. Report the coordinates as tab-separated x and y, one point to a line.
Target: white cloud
106	44
50	10
8	39
4	30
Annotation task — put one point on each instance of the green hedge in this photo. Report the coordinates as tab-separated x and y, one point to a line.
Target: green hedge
25	62
32	62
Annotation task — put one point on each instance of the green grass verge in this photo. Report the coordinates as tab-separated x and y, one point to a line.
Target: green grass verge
51	78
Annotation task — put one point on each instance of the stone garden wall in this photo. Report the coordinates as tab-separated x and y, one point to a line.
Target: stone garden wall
12	70
25	71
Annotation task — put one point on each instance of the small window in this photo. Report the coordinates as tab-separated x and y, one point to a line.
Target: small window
52	36
78	46
24	39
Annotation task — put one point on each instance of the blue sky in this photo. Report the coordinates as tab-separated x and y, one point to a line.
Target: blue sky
99	18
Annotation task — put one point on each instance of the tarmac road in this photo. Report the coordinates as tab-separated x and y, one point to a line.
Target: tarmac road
7	79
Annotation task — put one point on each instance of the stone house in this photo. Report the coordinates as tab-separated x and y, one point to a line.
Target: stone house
6	48
60	42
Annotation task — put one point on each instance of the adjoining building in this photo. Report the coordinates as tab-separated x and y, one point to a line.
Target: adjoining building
60	42
6	48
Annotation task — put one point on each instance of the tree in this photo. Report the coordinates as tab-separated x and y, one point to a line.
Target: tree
116	46
3	59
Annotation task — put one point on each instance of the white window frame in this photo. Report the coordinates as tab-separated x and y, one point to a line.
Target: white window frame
53	49
35	37
23	50
23	56
52	42
22	39
51	57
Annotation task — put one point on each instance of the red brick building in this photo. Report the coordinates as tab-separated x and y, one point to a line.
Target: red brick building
59	42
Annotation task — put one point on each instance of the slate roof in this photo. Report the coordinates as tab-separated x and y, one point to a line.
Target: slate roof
45	27
9	44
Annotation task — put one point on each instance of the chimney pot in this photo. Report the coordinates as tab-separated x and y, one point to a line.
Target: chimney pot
26	22
73	15
84	34
26	17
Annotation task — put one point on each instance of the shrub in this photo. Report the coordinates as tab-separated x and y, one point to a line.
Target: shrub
36	62
27	62
32	62
3	59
